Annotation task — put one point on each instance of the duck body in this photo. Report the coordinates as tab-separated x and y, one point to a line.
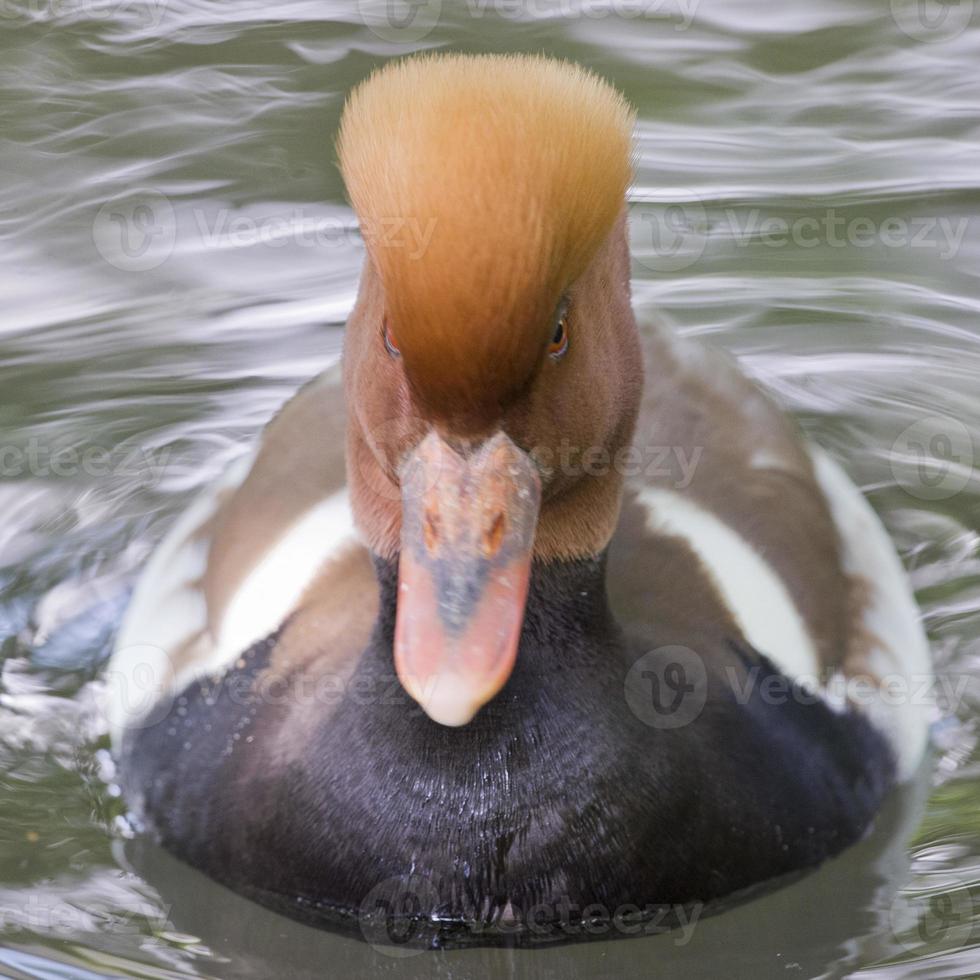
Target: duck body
695	698
552	804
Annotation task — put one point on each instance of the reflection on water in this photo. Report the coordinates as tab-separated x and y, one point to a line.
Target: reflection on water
177	258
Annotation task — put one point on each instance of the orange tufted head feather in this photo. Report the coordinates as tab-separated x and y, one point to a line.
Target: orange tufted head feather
484	185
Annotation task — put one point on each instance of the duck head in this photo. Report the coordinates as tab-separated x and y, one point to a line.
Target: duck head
492	365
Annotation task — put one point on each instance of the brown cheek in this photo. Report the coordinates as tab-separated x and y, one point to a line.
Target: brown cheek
388	419
383	433
564	415
377	397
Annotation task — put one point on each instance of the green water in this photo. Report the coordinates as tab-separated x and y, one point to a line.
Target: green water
176	258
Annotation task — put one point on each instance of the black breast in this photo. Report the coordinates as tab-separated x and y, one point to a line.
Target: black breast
563	804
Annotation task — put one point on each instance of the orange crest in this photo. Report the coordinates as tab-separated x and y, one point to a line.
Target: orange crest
484	185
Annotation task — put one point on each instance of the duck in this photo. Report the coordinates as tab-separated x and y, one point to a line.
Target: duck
524	622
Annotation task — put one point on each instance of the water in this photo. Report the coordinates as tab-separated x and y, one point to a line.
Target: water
177	258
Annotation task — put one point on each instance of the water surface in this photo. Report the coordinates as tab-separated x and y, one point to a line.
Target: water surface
176	258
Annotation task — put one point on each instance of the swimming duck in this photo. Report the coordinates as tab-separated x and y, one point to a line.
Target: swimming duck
523	617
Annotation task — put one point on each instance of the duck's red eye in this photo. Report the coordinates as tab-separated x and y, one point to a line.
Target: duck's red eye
389	339
559	343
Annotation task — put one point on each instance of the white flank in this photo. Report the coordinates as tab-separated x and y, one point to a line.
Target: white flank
901	703
168	608
275	586
754	594
903	706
